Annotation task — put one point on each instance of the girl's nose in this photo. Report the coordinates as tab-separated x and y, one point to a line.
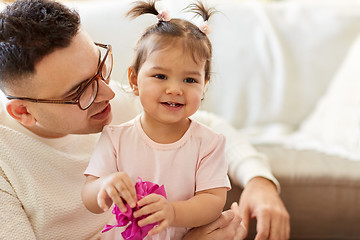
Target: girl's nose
174	87
105	93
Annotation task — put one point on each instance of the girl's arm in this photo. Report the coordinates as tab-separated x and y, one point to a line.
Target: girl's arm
205	207
89	194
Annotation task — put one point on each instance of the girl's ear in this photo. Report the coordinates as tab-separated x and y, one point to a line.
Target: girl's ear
206	86
19	111
133	80
206	83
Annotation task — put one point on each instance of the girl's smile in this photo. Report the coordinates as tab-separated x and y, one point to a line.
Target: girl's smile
172	106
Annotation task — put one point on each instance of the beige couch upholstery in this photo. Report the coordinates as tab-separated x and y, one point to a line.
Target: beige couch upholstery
323	202
285	74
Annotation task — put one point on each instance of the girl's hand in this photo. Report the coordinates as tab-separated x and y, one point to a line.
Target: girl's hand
118	188
159	210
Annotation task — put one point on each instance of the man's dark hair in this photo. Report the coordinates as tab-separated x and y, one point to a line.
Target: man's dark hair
30	30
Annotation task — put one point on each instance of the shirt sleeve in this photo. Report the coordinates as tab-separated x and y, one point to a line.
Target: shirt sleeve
244	161
14	221
104	158
212	167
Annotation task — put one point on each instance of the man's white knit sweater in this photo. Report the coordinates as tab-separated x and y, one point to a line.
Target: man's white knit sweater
40	185
41	179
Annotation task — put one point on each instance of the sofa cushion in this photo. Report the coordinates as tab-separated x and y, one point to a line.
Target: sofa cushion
274	60
335	122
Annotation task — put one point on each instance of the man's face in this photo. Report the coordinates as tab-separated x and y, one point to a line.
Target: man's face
58	76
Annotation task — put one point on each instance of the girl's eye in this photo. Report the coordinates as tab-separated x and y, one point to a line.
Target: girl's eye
189	80
160	76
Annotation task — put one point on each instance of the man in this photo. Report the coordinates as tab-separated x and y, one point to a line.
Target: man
55	79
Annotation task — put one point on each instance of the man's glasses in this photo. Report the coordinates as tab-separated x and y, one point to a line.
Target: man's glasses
85	95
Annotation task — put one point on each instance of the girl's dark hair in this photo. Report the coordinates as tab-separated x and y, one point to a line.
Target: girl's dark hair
30	30
163	33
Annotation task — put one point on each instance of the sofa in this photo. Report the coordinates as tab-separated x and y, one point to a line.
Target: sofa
285	75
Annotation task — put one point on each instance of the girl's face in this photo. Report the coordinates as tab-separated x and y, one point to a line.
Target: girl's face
170	85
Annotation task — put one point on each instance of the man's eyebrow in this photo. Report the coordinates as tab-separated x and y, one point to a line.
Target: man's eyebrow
84	81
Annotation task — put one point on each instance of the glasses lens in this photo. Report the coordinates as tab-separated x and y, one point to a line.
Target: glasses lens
89	95
107	67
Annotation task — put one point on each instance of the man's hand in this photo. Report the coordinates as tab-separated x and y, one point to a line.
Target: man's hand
227	227
261	200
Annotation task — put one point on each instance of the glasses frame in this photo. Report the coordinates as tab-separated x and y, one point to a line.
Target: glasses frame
76	99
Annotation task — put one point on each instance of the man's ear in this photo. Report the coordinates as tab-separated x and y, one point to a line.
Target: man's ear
19	111
133	80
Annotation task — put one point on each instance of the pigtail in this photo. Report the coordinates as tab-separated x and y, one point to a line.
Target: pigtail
142	7
201	10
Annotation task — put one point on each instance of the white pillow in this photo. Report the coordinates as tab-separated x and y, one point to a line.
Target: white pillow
336	118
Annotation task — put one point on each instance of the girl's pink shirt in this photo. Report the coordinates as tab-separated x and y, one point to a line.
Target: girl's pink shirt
196	162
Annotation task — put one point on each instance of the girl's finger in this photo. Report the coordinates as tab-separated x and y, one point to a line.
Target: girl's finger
148	209
115	197
157	229
124	192
152	198
131	188
153	218
101	201
121	206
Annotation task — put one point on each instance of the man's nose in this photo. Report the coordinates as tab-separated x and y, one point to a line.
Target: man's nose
105	93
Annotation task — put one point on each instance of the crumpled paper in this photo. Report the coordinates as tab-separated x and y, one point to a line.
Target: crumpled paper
133	230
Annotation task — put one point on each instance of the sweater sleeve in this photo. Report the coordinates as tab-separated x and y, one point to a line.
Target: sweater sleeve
244	161
14	221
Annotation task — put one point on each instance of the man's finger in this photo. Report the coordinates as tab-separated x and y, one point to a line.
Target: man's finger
245	217
287	231
276	231
224	220
241	232
263	226
237	219
280	229
235	207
